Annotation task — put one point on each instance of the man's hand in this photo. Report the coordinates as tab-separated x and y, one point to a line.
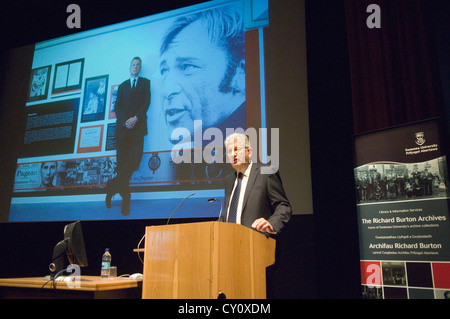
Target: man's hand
263	225
131	122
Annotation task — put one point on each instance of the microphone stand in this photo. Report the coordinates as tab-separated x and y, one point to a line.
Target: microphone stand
177	207
221	204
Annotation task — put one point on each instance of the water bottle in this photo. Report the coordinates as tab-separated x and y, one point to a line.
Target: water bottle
106	264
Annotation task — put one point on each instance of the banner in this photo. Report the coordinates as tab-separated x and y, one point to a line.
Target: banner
403	202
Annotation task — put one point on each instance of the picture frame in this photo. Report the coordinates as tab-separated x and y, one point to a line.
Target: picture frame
39	83
90	139
68	76
94	99
112	101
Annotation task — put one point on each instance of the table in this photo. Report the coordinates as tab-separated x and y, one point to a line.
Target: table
85	287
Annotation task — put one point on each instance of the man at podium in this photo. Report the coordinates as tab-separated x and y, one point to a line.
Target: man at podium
253	198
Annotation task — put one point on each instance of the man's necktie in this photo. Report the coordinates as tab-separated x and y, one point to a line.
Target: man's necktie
134	84
235	200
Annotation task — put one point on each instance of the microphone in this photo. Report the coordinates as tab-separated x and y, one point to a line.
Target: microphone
221	204
178	206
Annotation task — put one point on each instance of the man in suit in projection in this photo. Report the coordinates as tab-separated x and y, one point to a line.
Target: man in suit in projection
132	103
253	197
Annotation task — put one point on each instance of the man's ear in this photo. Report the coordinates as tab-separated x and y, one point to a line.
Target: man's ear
238	81
250	154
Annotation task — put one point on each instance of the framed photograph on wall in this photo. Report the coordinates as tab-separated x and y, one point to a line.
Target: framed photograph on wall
39	81
90	139
68	76
94	99
112	101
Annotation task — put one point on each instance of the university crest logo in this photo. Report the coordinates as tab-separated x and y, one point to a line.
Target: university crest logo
420	140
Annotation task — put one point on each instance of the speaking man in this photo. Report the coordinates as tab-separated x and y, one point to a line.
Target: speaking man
252	198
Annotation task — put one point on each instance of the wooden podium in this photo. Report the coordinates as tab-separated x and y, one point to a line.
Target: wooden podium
203	260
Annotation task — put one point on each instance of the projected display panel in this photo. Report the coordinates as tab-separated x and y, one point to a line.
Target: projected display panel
64	167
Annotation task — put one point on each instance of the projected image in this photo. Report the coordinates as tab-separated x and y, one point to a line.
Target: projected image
113	142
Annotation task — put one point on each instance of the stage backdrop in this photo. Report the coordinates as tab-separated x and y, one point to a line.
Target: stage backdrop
403	212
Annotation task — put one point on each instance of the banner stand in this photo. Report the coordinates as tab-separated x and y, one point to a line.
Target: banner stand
403	197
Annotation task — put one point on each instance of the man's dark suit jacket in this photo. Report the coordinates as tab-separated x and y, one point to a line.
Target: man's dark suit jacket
264	197
131	103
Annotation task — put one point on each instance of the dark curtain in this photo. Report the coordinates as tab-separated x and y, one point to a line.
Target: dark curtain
395	76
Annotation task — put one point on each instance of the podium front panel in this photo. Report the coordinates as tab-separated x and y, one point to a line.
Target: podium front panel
202	260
